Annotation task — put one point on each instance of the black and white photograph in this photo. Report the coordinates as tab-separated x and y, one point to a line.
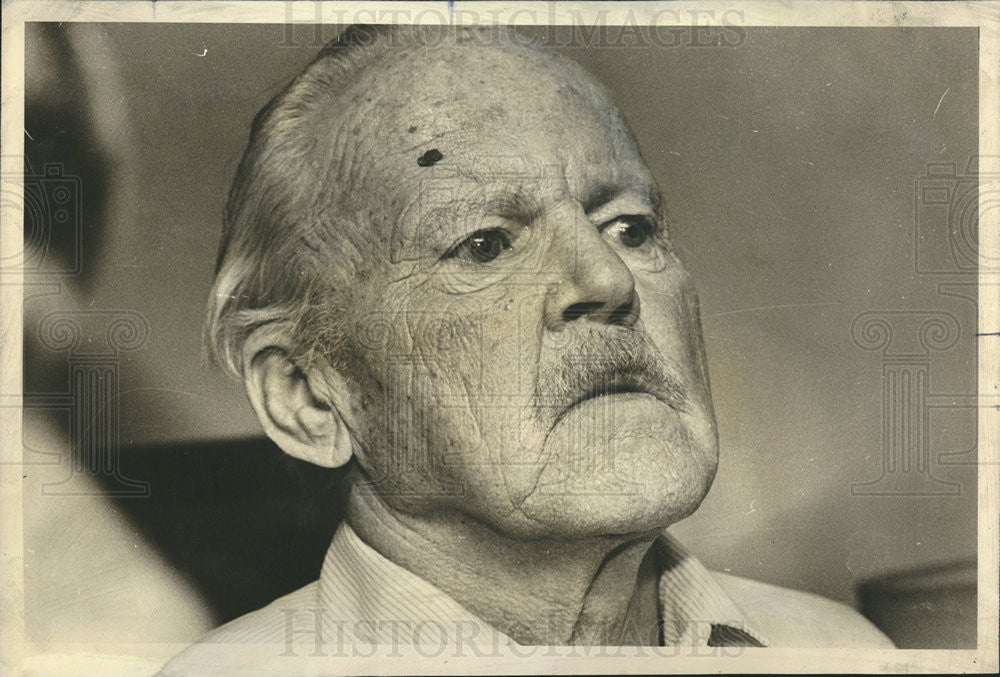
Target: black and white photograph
472	337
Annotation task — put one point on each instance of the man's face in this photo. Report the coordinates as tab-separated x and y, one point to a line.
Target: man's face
524	343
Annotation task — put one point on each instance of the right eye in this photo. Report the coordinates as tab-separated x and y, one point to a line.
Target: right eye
482	246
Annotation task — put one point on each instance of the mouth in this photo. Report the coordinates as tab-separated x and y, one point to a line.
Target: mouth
614	388
623	385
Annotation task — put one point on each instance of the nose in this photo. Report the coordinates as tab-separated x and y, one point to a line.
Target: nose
599	286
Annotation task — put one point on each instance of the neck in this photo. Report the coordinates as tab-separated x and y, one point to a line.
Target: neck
600	590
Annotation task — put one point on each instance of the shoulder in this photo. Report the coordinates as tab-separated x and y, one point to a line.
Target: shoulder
796	619
247	641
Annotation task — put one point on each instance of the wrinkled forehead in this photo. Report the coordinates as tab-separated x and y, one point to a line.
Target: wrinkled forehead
427	117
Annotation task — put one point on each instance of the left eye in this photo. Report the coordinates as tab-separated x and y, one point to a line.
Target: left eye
482	246
632	231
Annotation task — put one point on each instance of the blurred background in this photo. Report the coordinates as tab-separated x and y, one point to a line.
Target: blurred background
821	189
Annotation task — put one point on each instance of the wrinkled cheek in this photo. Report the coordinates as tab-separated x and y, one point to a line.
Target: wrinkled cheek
691	313
700	418
413	436
673	321
441	428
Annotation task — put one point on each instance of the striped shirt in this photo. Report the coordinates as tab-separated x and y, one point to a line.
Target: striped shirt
364	600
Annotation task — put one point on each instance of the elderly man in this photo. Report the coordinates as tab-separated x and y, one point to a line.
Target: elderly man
446	265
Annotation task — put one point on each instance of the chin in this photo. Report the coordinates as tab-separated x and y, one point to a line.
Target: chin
636	485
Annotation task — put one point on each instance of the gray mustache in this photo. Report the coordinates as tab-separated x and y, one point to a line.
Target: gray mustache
609	360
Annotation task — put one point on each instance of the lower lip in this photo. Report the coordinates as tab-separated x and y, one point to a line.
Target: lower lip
619	398
600	407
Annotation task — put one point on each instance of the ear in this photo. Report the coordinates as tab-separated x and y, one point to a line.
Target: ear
297	409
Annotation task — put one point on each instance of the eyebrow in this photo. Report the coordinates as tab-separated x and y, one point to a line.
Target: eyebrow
508	200
600	197
512	194
607	193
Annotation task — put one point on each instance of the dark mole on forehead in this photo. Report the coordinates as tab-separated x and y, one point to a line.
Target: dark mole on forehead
429	158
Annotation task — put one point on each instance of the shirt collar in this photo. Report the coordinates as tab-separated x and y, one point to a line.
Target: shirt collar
692	605
383	603
391	604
